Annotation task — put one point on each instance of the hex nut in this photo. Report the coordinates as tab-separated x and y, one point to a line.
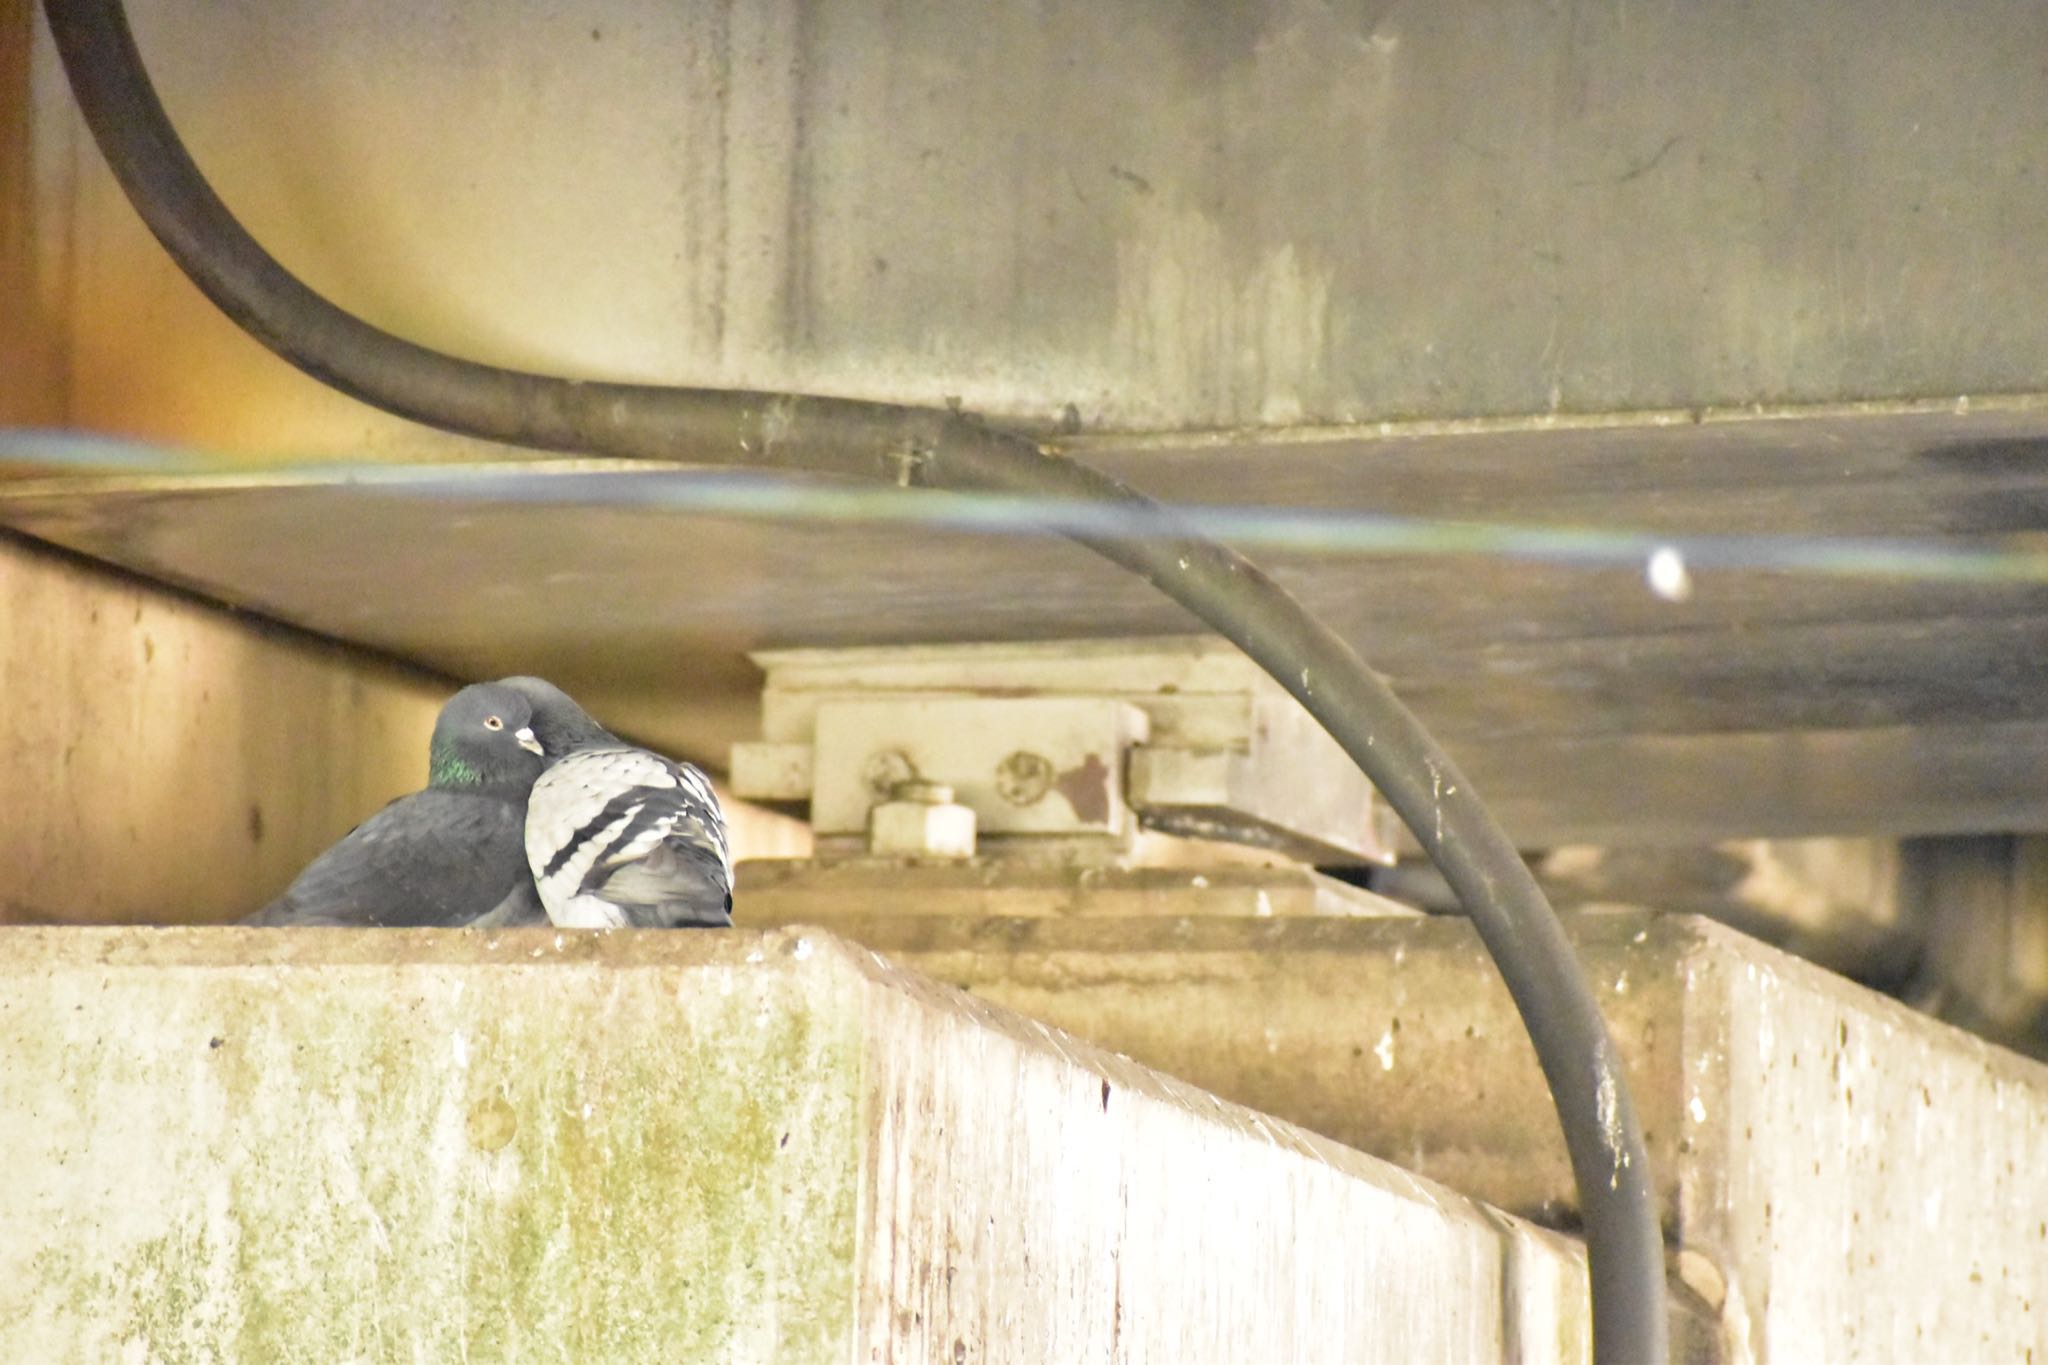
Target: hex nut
919	829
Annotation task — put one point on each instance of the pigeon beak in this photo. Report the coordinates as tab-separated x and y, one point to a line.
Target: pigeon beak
524	734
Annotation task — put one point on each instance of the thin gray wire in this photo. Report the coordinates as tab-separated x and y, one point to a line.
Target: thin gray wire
1294	530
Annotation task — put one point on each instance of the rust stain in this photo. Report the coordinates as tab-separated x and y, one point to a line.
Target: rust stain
1087	789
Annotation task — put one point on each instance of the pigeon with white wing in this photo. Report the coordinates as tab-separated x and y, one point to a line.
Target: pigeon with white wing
618	836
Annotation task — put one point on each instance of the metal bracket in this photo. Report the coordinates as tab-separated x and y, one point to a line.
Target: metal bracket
1061	748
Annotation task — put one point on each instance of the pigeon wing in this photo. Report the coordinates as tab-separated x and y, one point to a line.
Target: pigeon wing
519	910
436	857
638	834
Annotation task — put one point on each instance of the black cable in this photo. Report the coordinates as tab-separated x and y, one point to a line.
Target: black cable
911	446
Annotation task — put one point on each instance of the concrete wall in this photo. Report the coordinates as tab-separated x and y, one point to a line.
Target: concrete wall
1166	216
163	760
1848	1180
330	1145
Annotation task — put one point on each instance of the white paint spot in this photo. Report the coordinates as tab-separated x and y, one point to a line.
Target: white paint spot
1199	882
1696	1110
776	420
1264	908
588	1110
1621	984
1384	1050
458	1046
559	942
1667	574
802	949
1607	1108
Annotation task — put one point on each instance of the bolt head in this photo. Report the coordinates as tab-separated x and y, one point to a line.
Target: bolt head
886	770
1024	777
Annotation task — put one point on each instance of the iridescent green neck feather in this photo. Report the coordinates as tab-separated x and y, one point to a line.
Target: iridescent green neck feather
446	768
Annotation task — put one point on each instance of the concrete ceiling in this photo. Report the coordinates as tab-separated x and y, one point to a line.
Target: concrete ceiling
1376	257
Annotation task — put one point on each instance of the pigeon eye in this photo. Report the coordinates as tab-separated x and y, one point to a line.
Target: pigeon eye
493	723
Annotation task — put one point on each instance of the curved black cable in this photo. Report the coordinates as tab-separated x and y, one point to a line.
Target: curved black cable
926	448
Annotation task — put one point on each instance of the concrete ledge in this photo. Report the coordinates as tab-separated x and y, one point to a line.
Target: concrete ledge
440	1145
1848	1179
797	891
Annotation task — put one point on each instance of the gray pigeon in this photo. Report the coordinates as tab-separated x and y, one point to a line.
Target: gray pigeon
618	836
451	854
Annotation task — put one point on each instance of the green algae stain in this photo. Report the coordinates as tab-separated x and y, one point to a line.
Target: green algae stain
712	1178
553	1165
175	1304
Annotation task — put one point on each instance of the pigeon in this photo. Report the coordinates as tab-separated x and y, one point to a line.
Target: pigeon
449	855
617	836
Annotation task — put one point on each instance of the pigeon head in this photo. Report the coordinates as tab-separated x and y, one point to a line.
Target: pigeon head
562	726
484	738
